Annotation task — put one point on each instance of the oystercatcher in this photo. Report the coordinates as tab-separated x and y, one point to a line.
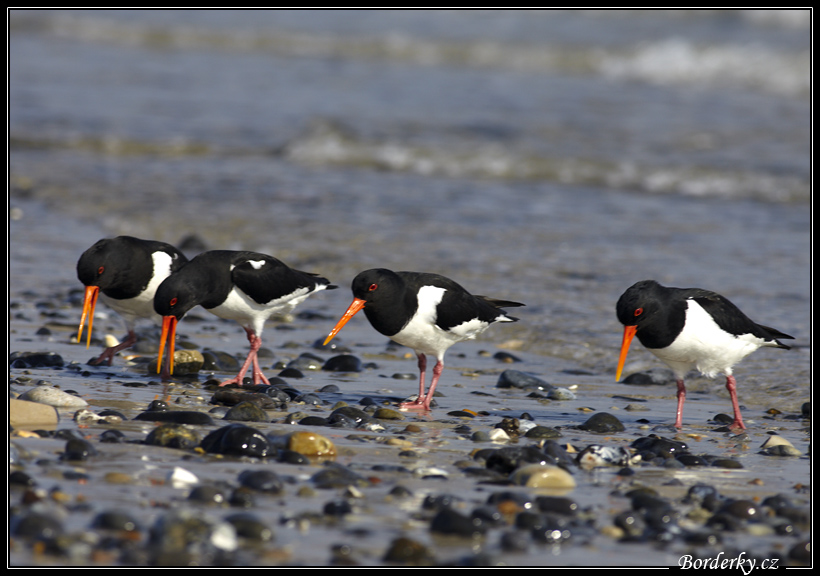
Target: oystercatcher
691	328
426	312
126	272
247	287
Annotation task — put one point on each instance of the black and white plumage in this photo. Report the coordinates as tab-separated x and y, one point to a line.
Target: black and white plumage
691	328
426	312
125	272
247	287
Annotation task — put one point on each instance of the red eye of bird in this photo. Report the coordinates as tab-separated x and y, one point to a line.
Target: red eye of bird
173	302
100	270
372	287
638	311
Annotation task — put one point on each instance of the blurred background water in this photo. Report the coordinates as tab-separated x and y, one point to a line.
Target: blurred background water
549	157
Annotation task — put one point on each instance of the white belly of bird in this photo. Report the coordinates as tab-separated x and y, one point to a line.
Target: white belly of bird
241	308
421	333
704	346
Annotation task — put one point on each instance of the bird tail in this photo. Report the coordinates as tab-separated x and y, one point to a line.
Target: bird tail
775	334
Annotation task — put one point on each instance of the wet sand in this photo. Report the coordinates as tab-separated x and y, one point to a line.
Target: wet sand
41	296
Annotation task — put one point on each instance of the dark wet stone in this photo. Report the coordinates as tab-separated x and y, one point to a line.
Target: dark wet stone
330	389
157	406
602	422
349	413
208	495
453	523
801	553
305	362
35	360
743	509
521	380
242	497
313	420
238	440
690	460
20	478
529	520
337	507
217	361
658	446
408	552
292	457
78	449
173	435
730	463
250	527
439	501
541	432
175	417
506	357
335	475
559	454
308	398
290	372
490	516
514	541
653	377
36	526
705	495
508	458
247	412
557	505
119	520
343	363
233	396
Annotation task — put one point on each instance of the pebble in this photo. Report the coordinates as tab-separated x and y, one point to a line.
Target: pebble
522	380
311	445
776	445
543	476
23	413
238	440
602	423
173	435
247	412
52	397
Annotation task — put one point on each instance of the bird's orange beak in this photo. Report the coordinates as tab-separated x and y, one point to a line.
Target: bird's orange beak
354	307
169	330
629	334
89	303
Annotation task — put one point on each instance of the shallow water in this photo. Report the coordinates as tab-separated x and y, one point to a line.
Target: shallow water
552	158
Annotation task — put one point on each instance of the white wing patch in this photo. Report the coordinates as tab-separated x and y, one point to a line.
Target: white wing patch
421	333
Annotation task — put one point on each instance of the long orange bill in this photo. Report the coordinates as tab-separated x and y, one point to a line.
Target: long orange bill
89	303
169	330
354	307
629	334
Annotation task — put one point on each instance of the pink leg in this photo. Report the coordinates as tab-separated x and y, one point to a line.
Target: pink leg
418	404
437	369
251	360
109	353
731	386
681	400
